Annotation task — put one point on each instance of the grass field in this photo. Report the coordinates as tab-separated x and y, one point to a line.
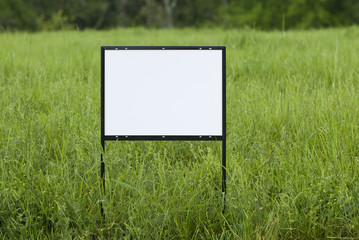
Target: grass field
292	144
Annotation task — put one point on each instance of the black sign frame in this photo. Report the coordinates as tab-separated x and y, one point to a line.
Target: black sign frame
166	137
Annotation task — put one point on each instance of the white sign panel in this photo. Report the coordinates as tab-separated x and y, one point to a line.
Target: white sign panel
163	92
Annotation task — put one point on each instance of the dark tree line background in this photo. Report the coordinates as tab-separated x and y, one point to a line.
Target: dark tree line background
34	15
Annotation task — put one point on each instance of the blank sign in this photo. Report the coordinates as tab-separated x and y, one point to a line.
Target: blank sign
163	92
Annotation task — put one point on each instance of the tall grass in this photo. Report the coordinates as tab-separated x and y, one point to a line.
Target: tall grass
292	153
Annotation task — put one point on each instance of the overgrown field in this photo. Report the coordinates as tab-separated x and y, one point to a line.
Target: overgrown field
292	153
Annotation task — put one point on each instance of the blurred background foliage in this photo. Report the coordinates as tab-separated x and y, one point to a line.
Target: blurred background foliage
37	15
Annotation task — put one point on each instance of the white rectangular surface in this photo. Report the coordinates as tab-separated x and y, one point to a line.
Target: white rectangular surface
163	92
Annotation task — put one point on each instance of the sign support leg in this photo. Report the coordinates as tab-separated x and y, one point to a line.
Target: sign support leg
102	174
224	171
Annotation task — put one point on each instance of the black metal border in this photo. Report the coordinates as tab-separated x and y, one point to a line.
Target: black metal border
160	137
163	138
163	47
224	122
